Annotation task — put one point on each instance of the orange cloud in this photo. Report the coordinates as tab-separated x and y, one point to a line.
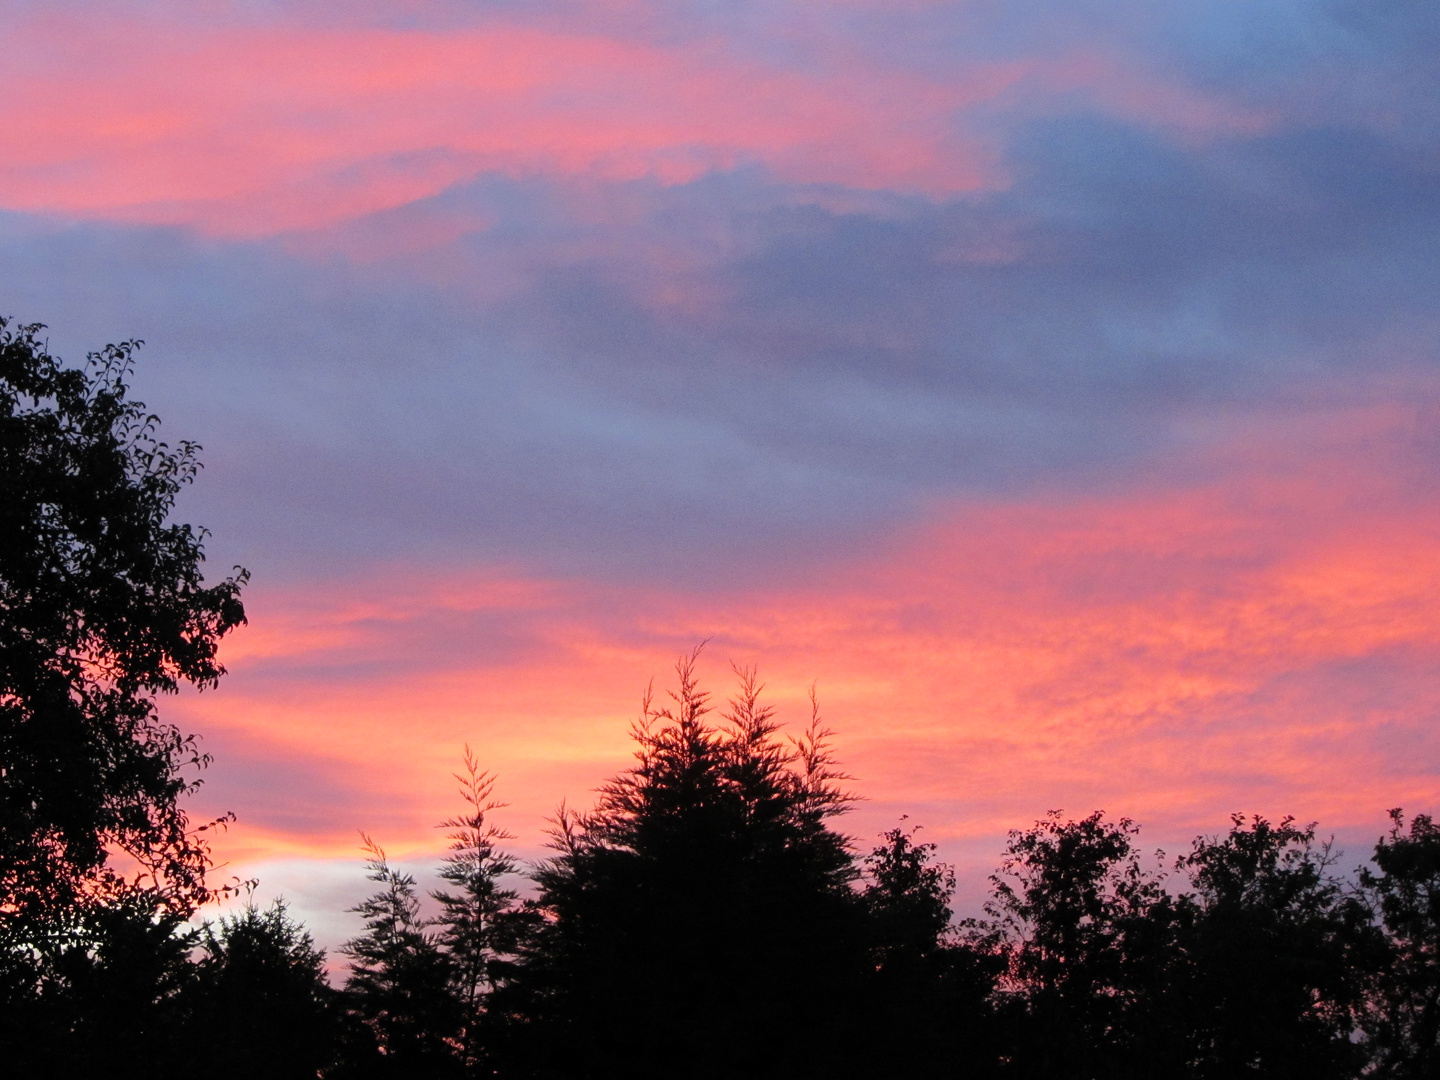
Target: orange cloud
1265	641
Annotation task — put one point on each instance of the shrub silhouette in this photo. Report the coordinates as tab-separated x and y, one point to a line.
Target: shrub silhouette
108	996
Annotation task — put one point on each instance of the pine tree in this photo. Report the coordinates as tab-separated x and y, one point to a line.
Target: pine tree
259	1002
700	921
405	1020
482	922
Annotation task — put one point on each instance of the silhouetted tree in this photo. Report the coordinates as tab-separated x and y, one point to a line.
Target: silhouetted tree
1085	933
102	607
404	1020
1276	957
105	997
908	896
700	921
258	1003
926	1002
482	924
1403	1021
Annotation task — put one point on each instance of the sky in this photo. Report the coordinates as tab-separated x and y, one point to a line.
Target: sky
1053	386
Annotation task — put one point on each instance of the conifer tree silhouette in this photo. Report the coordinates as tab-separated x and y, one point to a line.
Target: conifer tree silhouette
258	1002
404	1020
482	923
700	920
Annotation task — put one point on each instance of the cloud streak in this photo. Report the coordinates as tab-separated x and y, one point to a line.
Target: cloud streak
262	131
254	128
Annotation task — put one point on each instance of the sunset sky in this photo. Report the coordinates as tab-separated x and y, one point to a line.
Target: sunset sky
1055	385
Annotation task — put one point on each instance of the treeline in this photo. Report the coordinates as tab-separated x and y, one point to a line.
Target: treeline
707	919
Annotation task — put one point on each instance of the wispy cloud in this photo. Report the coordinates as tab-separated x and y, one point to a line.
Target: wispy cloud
250	127
1265	640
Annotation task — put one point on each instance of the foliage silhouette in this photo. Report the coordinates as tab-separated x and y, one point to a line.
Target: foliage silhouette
259	1002
908	895
1275	958
700	921
926	1002
105	996
104	607
1080	926
403	1020
1403	1019
704	919
482	924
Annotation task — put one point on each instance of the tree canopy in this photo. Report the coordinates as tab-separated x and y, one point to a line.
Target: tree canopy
104	605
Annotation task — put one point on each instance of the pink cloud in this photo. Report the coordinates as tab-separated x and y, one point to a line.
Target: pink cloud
1265	641
256	129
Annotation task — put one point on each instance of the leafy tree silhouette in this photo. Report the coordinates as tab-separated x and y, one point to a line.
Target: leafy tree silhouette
1083	931
104	607
1275	956
908	895
1403	1020
258	1002
928	993
700	921
404	1020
